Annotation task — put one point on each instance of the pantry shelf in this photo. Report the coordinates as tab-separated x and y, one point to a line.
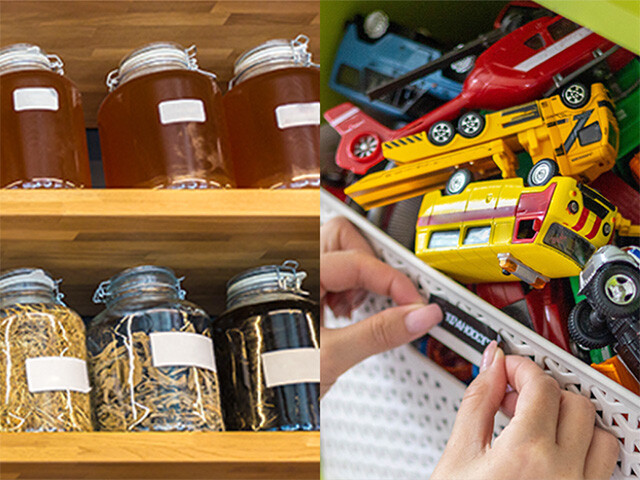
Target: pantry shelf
230	455
86	236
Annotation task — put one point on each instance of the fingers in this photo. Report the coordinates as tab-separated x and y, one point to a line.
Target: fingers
354	269
345	347
340	234
343	303
601	456
473	427
538	400
576	422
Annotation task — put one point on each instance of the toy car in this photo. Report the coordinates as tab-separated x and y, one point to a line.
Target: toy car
545	232
609	314
578	139
528	63
372	52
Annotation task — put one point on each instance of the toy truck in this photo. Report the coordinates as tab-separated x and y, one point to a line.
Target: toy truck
577	139
530	62
500	230
372	52
609	314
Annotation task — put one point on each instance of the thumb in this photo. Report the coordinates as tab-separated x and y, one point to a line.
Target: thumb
383	331
473	428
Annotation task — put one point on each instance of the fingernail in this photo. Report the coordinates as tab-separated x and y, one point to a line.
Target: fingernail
422	318
488	355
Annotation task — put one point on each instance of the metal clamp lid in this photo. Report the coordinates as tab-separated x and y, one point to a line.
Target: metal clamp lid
154	57
24	56
270	55
108	289
30	276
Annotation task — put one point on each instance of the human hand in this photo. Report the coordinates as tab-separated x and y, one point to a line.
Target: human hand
552	434
348	270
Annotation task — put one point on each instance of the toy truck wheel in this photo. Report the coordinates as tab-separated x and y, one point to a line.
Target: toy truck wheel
542	172
586	329
574	95
376	24
441	133
615	291
365	146
471	124
458	181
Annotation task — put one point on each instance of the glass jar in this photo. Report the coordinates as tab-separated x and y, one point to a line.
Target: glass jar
45	384
267	349
42	132
161	125
150	365
273	113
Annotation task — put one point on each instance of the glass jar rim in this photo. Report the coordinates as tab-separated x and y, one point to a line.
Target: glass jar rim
36	276
28	56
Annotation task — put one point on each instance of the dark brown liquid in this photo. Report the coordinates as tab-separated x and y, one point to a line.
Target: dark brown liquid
265	156
42	148
139	151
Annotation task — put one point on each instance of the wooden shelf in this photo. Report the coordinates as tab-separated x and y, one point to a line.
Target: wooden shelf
86	236
244	455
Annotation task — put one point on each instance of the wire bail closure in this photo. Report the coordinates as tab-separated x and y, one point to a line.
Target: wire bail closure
293	281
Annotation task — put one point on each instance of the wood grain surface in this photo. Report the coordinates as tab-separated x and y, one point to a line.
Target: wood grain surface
86	236
92	36
227	455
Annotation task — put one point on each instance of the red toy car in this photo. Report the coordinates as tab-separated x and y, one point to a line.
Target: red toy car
530	62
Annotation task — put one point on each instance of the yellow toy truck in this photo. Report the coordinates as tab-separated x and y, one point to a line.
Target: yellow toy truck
500	230
574	139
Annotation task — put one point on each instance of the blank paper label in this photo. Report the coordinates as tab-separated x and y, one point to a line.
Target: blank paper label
35	99
50	374
295	365
179	111
298	115
182	349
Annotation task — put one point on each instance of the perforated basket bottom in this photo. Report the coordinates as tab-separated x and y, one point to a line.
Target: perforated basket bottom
390	416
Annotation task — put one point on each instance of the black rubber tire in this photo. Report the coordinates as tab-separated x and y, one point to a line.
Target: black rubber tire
463	177
575	95
583	332
606	306
441	133
477	119
542	172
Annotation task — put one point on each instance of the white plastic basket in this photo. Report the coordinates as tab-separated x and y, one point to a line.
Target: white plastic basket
391	416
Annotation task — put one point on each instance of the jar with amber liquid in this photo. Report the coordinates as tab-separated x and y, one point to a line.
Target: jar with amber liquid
161	126
42	142
273	113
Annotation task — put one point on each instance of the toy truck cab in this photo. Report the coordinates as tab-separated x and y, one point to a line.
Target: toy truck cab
365	60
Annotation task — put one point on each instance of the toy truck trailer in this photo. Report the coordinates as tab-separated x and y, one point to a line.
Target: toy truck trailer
579	140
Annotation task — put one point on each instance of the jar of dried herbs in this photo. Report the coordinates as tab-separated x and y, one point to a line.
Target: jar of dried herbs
45	384
267	351
151	367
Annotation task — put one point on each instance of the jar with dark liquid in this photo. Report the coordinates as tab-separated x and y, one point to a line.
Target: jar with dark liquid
273	113
162	126
42	141
267	352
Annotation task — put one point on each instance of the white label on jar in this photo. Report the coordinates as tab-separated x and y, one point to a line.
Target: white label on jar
50	374
179	111
298	115
35	99
295	365
182	349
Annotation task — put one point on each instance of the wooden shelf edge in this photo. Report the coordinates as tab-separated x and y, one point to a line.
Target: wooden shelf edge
161	203
160	455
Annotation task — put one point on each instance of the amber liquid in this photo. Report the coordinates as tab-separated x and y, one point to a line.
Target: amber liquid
139	151
42	148
265	156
